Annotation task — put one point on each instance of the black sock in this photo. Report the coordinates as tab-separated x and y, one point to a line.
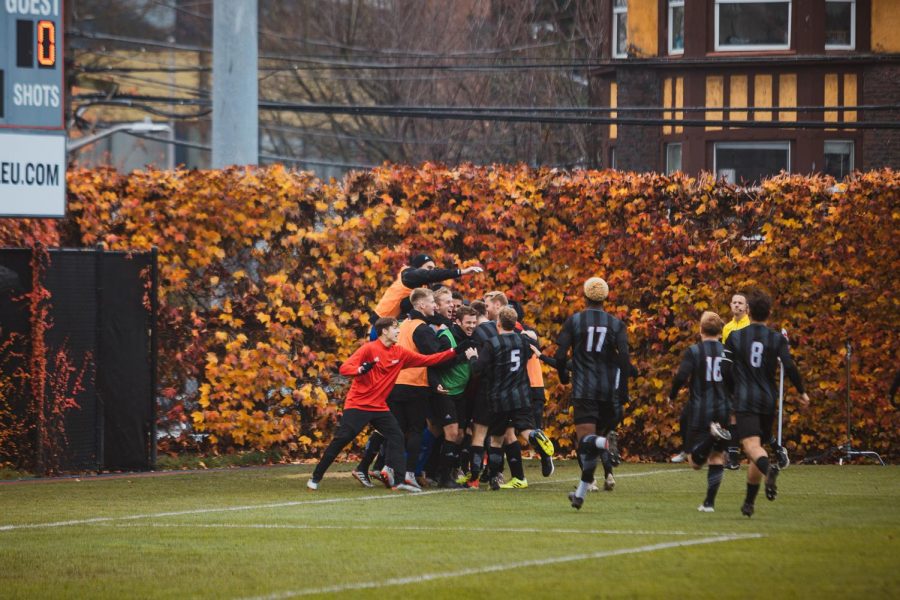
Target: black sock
713	481
465	453
449	460
477	453
371	451
514	458
700	452
762	463
606	461
752	491
495	461
587	457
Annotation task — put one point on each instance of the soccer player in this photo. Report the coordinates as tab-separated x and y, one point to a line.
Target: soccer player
754	352
503	358
739	320
701	366
420	272
375	367
449	404
600	370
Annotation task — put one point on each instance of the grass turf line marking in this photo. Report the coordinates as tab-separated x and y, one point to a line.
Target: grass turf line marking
411	528
397	581
200	511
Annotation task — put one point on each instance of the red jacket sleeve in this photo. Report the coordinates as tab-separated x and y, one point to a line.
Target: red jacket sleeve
351	366
414	359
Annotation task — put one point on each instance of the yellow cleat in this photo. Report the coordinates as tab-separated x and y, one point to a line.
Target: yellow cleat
515	484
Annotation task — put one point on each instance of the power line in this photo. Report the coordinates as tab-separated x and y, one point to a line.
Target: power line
293	159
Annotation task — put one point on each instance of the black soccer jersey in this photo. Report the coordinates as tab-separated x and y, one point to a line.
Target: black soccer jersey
702	366
754	352
599	343
502	359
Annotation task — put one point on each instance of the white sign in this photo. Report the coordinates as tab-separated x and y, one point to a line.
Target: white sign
32	175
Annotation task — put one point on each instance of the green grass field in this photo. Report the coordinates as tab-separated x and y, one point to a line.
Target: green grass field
258	533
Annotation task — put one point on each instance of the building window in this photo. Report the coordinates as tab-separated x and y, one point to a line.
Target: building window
749	162
840	24
676	26
620	29
838	159
753	25
673	158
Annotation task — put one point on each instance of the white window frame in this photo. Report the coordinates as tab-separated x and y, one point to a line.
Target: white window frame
673	4
852	145
669	169
617	10
773	145
852	44
753	47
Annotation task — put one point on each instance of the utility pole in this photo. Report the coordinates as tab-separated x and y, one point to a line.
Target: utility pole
235	117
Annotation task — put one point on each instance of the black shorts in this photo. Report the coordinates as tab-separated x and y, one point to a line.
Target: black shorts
754	425
523	419
500	422
695	436
480	410
447	409
590	410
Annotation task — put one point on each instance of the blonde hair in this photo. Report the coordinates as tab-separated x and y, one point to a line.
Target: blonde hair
419	294
595	289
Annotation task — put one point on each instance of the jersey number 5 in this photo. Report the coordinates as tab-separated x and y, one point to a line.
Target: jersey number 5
601	336
515	358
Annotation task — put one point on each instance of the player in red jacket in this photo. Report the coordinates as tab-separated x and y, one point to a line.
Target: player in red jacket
374	368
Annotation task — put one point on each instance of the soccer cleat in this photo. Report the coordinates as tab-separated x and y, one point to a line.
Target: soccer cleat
413	482
747	510
363	478
706	508
463	479
485	477
387	477
610	483
576	502
405	487
718	431
312	484
472	484
515	484
771	488
450	484
542	443
375	476
593	487
424	481
496	482
782	458
679	458
547	467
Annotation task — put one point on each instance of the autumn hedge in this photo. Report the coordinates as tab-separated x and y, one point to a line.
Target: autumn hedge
268	277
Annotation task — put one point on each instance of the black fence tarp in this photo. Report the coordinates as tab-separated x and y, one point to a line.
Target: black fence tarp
100	314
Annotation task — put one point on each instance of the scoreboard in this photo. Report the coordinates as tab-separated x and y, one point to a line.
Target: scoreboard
32	105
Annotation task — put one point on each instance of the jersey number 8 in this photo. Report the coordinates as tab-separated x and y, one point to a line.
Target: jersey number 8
756	354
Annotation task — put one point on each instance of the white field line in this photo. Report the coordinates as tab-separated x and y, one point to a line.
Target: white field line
277	526
397	581
200	511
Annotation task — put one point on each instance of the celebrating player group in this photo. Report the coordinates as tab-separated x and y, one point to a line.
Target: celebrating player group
452	389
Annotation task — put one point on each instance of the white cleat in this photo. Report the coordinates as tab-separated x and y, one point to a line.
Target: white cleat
610	483
679	458
312	484
704	508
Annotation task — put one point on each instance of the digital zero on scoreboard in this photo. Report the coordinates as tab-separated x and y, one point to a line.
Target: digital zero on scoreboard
32	101
31	69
